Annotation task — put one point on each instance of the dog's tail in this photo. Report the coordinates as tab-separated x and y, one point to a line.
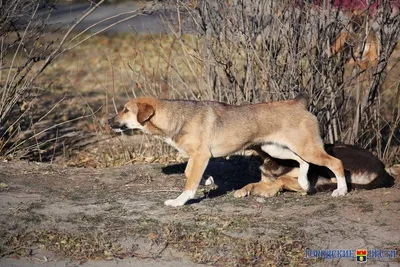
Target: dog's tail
302	99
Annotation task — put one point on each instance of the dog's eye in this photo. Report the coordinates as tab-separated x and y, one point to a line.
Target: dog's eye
126	110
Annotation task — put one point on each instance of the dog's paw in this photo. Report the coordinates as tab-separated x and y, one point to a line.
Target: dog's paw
339	192
174	203
241	193
181	200
207	181
305	184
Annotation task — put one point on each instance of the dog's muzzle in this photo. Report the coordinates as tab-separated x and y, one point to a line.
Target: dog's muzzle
111	122
117	127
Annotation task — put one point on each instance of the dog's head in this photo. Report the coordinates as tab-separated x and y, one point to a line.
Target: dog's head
134	116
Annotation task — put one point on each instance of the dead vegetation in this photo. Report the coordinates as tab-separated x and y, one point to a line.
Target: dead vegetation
206	246
239	52
94	214
232	56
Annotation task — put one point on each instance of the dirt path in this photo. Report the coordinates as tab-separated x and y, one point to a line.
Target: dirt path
67	14
67	216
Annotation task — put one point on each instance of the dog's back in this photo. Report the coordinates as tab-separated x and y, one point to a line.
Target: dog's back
363	169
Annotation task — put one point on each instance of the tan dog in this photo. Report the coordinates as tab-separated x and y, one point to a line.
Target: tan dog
363	170
205	129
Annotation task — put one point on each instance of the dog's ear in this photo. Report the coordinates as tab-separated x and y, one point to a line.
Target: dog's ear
145	112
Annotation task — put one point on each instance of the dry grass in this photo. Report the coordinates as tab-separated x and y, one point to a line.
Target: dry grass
200	244
89	84
66	120
79	247
82	214
122	64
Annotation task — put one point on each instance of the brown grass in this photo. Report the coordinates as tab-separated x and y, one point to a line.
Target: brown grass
94	80
202	245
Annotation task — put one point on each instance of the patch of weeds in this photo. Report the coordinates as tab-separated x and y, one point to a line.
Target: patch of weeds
274	203
355	200
104	218
25	216
211	246
4	186
144	226
202	244
331	206
380	222
307	201
115	206
187	208
366	207
34	218
208	245
327	209
80	247
241	202
36	205
76	196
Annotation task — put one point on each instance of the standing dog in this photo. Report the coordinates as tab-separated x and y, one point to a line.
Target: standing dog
205	129
363	170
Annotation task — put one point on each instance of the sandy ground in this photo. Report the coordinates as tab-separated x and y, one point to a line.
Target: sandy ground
58	216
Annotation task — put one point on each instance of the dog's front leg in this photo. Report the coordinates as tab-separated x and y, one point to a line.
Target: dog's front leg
194	171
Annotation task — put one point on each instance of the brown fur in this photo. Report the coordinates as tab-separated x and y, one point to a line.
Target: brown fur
205	129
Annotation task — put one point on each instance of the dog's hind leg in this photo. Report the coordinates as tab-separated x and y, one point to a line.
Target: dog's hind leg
322	158
318	156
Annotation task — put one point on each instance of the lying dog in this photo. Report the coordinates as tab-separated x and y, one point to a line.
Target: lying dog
205	129
363	170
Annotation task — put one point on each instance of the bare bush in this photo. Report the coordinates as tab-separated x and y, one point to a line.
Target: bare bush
239	51
251	51
28	46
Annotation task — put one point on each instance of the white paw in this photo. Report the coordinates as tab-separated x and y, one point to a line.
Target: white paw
240	193
174	203
305	184
339	192
209	181
181	200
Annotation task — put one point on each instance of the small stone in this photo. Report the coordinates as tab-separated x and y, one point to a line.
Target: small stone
260	200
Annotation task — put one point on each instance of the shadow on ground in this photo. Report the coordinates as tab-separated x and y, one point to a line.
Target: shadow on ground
59	214
228	175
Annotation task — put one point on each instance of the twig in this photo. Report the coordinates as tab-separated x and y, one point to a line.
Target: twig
161	190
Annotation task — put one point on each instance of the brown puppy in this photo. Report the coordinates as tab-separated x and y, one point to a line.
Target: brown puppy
363	170
205	129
